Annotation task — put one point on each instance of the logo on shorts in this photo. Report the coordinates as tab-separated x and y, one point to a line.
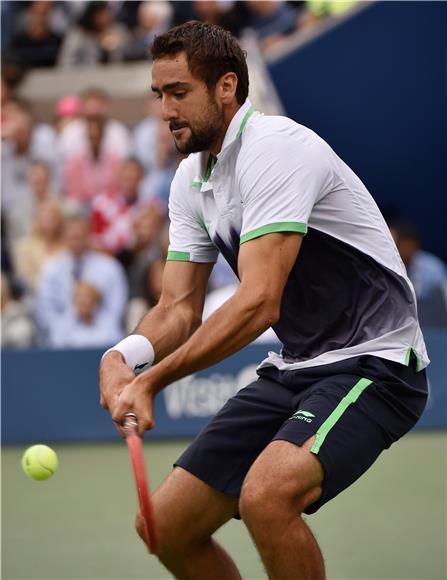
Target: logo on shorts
303	416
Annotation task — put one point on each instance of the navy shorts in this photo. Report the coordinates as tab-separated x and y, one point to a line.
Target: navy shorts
356	408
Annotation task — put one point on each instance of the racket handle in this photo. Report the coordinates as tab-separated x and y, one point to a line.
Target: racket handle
130	422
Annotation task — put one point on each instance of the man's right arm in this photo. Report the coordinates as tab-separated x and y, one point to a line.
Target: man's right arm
179	312
167	326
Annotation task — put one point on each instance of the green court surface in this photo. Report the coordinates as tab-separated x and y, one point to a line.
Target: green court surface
391	524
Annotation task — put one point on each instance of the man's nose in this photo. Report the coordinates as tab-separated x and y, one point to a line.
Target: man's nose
168	111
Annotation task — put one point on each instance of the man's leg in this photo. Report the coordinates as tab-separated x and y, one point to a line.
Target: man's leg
282	482
187	512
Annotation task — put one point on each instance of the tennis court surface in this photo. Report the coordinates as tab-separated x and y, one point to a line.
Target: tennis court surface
79	525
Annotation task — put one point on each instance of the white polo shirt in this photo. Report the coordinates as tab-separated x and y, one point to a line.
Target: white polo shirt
348	293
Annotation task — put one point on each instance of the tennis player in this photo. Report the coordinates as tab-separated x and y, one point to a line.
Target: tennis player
317	263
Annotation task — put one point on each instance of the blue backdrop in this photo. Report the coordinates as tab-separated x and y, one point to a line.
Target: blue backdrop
53	395
375	88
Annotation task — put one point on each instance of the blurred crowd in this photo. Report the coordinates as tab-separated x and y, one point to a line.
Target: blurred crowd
84	220
56	33
84	199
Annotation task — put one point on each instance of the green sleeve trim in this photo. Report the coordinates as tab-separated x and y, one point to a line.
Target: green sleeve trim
350	398
178	256
297	227
407	358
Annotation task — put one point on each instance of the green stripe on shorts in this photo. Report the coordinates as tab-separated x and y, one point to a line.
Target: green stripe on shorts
408	355
350	398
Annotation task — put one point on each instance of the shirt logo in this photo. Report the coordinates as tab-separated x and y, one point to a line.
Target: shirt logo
303	416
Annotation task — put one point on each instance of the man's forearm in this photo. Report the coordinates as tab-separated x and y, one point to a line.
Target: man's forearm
167	327
239	321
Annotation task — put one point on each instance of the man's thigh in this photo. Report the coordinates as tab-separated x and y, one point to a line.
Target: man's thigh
285	473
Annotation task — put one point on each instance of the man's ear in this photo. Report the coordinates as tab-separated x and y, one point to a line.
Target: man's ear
226	87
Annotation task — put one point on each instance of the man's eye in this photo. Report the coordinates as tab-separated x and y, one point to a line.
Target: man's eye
179	95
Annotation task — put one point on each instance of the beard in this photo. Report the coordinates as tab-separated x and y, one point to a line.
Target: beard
204	133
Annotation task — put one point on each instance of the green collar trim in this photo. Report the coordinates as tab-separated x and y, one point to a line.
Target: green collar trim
209	164
247	115
209	167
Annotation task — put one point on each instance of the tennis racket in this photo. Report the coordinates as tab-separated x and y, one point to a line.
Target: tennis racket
135	447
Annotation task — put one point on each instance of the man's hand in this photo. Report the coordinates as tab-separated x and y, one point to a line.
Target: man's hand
137	398
114	375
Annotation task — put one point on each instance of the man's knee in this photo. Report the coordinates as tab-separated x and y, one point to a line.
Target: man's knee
171	542
186	514
271	491
263	501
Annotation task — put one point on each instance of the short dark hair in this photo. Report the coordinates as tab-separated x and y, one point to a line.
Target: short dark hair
211	51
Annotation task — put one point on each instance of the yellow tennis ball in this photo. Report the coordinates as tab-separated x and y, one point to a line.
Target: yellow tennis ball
39	462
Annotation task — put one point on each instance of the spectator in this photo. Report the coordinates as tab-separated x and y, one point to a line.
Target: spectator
153	18
6	94
21	144
157	183
428	274
138	306
97	38
95	105
330	7
233	16
18	329
91	172
317	10
126	12
85	327
39	180
145	135
37	44
144	248
54	308
67	110
114	212
40	190
5	250
31	252
272	20
8	266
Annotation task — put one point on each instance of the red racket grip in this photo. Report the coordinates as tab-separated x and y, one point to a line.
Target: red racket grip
135	447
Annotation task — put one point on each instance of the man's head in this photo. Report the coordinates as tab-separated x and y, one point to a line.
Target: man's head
95	103
130	176
39	178
148	224
49	221
201	75
97	17
77	235
406	237
86	300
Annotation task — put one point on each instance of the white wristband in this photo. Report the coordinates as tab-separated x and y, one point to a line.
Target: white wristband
136	349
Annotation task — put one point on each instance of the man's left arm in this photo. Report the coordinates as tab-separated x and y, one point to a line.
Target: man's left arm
264	266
